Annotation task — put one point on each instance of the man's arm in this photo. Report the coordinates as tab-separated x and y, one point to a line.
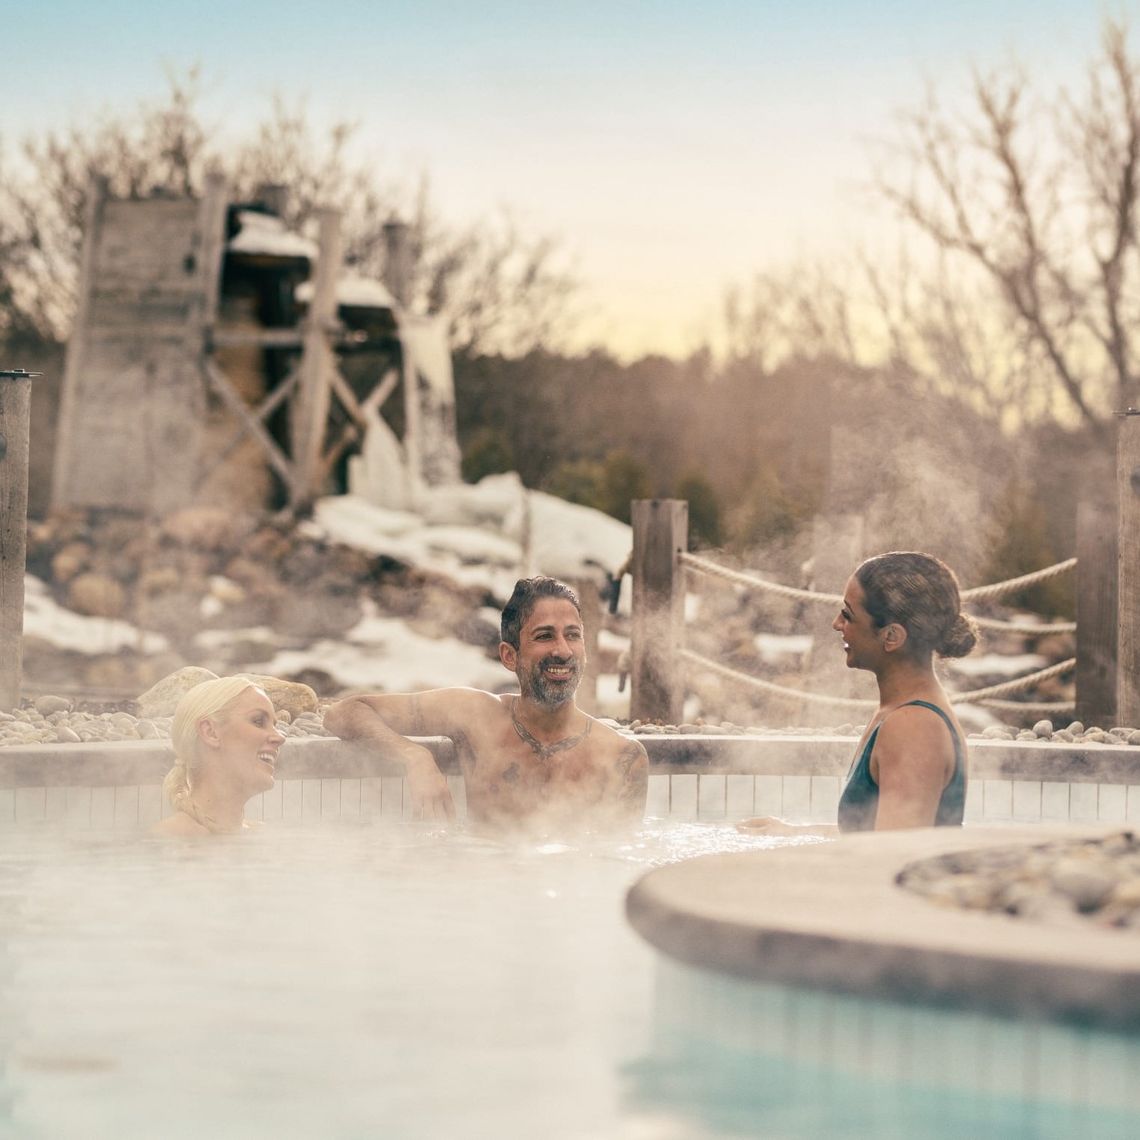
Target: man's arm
632	778
386	720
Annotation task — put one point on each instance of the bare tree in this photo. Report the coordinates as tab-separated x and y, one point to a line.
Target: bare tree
1040	201
806	312
162	149
501	289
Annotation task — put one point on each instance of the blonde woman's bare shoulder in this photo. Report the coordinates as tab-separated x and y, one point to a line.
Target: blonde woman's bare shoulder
179	824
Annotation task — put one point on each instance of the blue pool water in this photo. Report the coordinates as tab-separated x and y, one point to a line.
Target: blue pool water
357	980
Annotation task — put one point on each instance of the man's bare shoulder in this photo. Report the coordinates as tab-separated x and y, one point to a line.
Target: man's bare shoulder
462	696
614	740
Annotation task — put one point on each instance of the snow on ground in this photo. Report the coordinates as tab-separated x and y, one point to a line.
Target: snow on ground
487	534
384	654
996	664
783	649
51	623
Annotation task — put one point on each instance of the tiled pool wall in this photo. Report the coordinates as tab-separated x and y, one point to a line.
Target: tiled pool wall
1064	1074
707	779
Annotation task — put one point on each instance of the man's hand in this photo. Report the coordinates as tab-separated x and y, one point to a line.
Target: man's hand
428	790
767	825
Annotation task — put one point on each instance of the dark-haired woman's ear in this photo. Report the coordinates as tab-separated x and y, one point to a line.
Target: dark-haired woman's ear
894	637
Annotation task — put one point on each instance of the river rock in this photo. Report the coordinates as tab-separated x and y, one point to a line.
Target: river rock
206	528
96	595
292	696
162	698
1087	886
69	560
49	704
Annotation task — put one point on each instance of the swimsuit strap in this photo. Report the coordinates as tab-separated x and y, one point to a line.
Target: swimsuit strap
945	719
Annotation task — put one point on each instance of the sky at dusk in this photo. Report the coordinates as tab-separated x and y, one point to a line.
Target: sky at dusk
674	148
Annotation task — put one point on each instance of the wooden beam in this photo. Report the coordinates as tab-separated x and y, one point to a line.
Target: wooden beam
375	398
15	412
347	397
349	434
1097	605
261	338
317	364
355	431
77	344
212	244
587	591
1128	569
252	424
660	536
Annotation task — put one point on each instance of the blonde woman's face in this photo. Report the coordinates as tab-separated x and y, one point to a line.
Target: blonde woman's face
250	740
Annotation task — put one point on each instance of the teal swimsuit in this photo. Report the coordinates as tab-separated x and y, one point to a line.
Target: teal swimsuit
859	803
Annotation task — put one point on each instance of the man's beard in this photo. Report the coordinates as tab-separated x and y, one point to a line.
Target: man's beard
534	686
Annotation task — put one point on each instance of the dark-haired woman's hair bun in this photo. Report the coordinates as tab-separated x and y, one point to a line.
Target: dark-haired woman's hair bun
960	638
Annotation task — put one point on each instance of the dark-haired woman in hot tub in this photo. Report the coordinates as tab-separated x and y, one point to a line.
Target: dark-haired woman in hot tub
899	611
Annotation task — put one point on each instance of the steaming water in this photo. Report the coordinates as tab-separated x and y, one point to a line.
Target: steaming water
353	981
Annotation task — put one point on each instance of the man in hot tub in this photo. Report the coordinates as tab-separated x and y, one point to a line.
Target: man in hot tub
526	758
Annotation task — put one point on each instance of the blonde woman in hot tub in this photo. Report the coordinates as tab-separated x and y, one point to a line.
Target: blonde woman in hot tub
226	743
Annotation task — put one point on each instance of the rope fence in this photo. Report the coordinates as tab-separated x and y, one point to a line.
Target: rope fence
991	696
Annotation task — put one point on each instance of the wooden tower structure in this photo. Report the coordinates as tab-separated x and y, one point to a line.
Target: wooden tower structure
196	374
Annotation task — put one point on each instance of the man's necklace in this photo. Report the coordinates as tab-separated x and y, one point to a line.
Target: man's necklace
545	751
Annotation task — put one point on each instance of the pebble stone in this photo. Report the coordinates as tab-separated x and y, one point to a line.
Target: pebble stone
1067	881
45	719
53	720
1041	733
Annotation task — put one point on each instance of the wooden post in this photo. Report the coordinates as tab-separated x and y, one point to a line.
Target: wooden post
660	535
311	412
398	279
587	591
1097	605
212	231
15	412
397	261
1128	570
77	349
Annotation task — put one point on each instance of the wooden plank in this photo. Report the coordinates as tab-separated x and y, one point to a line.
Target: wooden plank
375	399
254	426
15	416
660	535
353	432
131	376
1128	570
262	412
1097	605
74	364
317	365
347	397
249	338
587	591
211	239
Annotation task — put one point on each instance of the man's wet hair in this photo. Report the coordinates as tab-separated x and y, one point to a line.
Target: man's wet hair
525	596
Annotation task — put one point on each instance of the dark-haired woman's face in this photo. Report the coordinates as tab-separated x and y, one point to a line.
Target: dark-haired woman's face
861	640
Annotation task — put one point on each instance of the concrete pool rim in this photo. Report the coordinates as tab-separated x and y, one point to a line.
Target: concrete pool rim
829	915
